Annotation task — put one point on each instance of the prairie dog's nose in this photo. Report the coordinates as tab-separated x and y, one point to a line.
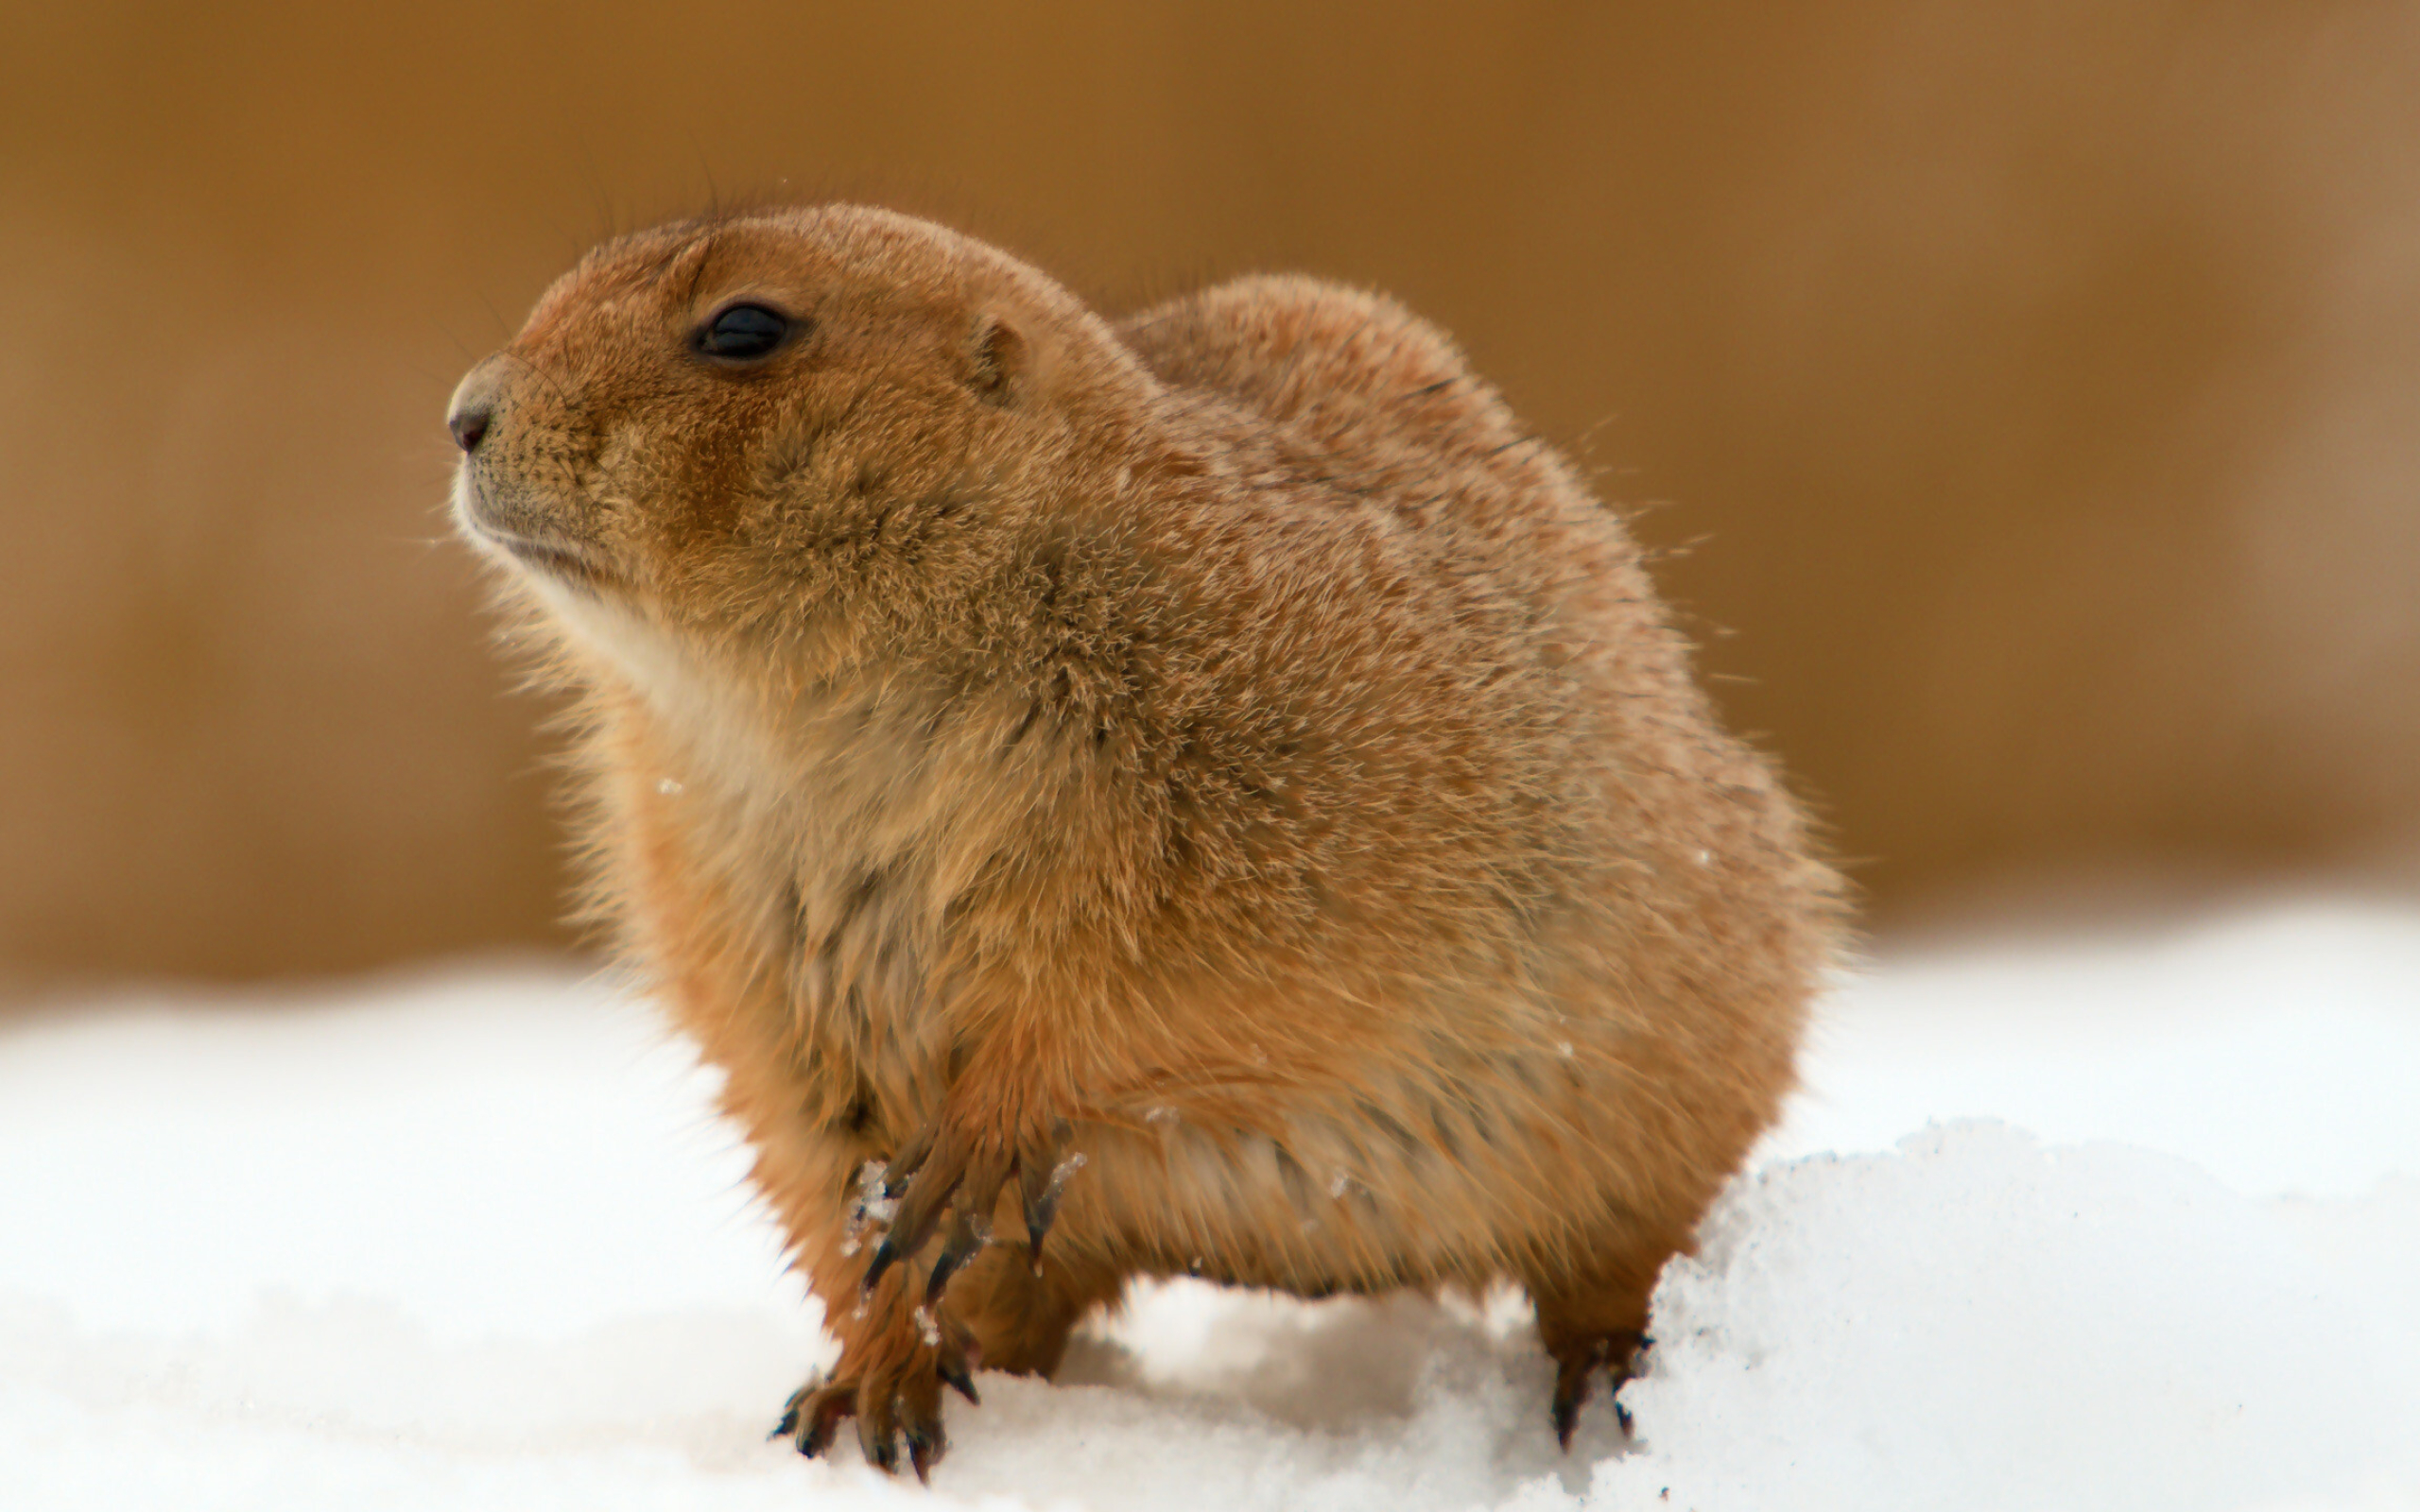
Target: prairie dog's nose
472	407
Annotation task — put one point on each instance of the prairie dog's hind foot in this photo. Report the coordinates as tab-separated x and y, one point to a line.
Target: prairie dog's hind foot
1577	1360
1596	1319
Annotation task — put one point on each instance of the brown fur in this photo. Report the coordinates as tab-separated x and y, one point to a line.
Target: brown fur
1223	738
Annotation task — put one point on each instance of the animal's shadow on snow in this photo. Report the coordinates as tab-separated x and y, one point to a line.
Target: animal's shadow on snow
1345	1363
1329	1365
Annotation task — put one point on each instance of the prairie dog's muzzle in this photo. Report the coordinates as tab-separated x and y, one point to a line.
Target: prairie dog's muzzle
471	409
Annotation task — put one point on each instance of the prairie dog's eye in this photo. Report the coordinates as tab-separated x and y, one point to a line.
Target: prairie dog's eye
741	332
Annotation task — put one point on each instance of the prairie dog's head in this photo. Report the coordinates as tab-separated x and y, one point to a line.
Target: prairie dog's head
758	428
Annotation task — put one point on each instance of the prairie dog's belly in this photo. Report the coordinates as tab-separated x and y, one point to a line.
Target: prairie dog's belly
1413	1184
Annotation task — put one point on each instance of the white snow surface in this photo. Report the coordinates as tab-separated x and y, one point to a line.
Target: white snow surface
476	1240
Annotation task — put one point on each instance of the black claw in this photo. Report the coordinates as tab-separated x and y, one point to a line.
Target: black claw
787	1427
883	1257
954	1374
1043	1188
925	1450
819	1435
817	1421
1571	1390
1037	1227
1566	1417
1623	1364
881	1449
964	1241
1041	1206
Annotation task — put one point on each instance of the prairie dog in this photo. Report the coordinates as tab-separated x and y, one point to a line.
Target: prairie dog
1205	793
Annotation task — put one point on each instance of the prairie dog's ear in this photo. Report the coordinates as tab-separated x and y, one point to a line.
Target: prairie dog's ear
1003	365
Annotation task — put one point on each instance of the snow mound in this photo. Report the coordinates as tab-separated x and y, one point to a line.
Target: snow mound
1975	1321
478	1243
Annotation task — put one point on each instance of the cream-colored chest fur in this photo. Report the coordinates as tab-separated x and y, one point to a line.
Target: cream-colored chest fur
831	824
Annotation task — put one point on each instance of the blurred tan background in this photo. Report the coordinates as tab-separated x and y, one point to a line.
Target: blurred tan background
2034	388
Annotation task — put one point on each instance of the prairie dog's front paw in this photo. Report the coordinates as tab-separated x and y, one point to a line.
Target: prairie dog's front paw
890	1379
956	1172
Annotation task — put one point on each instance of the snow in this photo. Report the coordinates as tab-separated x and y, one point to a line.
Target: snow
2128	1220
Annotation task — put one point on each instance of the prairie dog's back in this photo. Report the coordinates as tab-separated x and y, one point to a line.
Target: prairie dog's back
1354	374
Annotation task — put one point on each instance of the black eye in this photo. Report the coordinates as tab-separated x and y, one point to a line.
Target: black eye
742	332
